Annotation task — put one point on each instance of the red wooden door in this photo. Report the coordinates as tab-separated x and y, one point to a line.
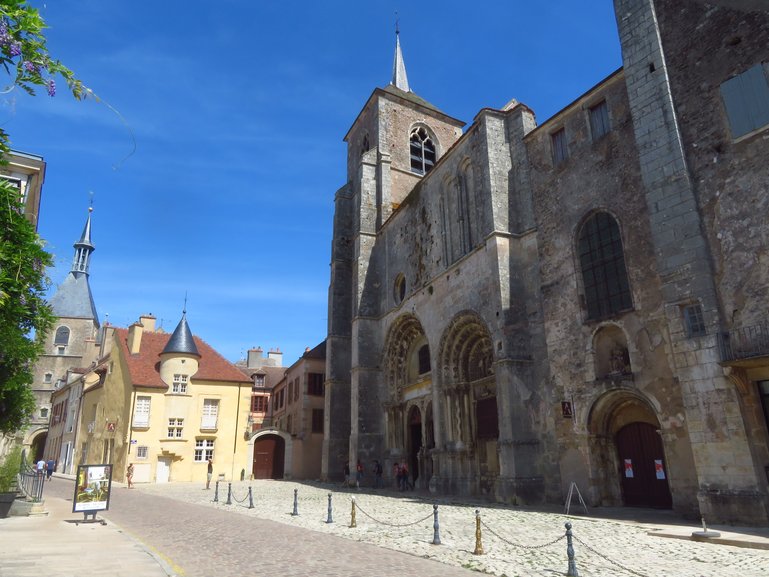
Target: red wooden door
643	471
268	457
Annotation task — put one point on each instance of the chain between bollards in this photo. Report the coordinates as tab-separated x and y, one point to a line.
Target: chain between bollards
352	515
216	493
295	512
229	494
250	498
572	570
478	543
436	527
330	518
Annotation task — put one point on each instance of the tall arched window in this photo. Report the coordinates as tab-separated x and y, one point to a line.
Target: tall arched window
602	260
62	336
422	150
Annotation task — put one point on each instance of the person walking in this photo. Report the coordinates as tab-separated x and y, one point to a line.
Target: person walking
209	472
129	475
41	467
50	467
377	474
358	473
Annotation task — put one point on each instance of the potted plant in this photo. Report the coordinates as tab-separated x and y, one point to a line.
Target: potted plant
9	470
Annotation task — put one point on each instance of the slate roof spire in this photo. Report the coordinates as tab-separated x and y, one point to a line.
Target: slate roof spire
73	298
83	248
400	80
181	341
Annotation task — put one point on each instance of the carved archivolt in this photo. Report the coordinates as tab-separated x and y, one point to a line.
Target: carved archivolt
399	346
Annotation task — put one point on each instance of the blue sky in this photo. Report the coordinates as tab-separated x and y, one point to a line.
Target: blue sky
217	178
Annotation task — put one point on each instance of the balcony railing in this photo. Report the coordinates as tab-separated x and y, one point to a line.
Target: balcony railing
744	343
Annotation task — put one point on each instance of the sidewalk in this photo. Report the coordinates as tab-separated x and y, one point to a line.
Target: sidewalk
55	545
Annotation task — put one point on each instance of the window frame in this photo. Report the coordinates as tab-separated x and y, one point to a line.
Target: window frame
142	452
317	421
598	116
423	151
138	423
608	293
315	384
175	429
559	146
203	450
179	384
209	422
745	97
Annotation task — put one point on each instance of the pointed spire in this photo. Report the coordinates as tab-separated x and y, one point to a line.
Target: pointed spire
181	340
83	248
400	80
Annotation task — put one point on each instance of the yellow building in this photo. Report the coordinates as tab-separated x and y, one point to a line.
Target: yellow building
166	404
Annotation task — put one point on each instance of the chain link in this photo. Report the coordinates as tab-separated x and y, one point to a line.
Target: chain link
605	558
430	516
542	546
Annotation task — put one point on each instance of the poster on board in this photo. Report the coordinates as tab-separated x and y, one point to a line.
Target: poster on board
93	486
629	469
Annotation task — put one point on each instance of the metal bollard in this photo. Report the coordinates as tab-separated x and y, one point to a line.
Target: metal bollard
330	519
436	527
478	544
352	515
572	570
295	512
229	494
216	493
250	499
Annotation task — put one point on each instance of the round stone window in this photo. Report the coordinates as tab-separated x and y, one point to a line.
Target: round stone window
400	288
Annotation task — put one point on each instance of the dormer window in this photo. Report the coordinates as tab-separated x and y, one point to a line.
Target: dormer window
180	384
259	381
422	151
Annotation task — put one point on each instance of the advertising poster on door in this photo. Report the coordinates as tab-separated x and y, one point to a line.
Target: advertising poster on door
629	468
93	486
659	470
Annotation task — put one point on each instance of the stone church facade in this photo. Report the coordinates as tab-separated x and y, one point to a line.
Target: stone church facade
516	307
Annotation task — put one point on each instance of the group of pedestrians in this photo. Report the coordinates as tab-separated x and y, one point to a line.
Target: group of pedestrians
400	474
46	468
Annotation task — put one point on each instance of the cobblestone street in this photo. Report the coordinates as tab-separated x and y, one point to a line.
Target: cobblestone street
198	537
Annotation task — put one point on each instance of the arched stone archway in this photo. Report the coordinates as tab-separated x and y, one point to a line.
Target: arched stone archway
626	452
271	454
408	373
467	403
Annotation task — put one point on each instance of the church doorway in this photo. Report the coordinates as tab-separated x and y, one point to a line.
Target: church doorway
628	452
415	441
268	460
644	474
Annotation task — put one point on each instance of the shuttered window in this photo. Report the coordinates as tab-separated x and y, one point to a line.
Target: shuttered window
210	413
560	150
746	99
142	412
599	120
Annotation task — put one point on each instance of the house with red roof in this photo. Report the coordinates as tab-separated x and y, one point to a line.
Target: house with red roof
167	404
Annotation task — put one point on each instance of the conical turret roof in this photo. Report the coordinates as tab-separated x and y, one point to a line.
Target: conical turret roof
181	341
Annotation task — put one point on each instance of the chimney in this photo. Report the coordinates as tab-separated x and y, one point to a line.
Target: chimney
135	338
148	321
254	360
276	356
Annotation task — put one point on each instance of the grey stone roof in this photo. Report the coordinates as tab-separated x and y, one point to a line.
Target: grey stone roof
181	341
73	298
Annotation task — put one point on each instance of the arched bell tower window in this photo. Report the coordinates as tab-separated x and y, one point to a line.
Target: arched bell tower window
62	336
602	260
365	145
422	151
